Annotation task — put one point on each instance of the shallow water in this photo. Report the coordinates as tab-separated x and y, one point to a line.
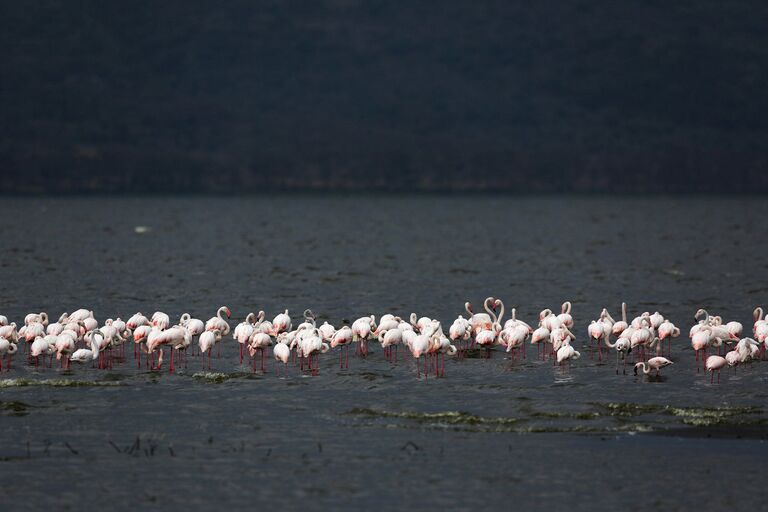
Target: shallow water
493	432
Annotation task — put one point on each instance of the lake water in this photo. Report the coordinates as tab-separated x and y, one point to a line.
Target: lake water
493	433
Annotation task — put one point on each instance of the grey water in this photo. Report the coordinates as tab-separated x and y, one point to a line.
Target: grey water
494	432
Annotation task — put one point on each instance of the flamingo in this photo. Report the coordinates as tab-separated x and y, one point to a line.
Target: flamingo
549	320
621	325
387	323
258	343
281	323
140	335
460	331
54	328
746	349
733	358
217	323
206	342
642	336
9	332
715	364
667	330
420	324
539	336
194	326
440	346
734	329
623	347
327	331
362	328
700	341
514	338
389	339
84	355
7	349
161	320
565	317
343	337
654	363
656	320
312	345
480	321
3	320
89	323
41	318
41	346
136	320
282	353
65	346
79	315
420	346
243	332
567	353
598	331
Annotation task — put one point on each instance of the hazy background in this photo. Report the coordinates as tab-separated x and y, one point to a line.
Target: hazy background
180	96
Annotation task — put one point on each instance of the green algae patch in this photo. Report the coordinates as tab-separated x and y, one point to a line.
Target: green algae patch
447	417
15	408
624	409
701	416
56	383
697	416
593	415
217	377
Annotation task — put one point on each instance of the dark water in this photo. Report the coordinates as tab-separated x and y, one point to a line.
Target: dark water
492	433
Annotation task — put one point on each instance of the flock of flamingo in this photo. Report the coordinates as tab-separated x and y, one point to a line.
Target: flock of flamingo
78	337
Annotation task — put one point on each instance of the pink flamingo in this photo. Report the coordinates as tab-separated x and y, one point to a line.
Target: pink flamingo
715	364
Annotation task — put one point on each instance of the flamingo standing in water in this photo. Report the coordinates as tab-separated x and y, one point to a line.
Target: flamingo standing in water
480	321
667	330
715	364
623	347
420	347
362	329
243	332
206	342
567	353
514	334
282	353
343	337
565	317
390	339
7	349
83	355
654	363
161	320
541	336
9	332
281	323
259	342
599	330
620	326
217	323
136	320
65	346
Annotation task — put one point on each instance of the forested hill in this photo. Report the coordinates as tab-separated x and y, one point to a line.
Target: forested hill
593	95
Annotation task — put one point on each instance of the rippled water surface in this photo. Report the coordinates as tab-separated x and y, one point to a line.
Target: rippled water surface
493	432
